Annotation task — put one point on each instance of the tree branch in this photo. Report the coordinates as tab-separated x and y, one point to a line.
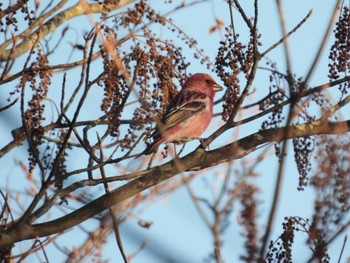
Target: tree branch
198	159
51	25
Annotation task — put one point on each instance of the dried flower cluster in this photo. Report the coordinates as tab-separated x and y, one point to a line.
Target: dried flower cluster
332	183
115	92
248	220
61	167
10	19
276	96
303	149
154	62
340	51
276	118
34	115
281	250
232	59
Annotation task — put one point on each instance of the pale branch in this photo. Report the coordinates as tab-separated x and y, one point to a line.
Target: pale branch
37	22
51	25
198	159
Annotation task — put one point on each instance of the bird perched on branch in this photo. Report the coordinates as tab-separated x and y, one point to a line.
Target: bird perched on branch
188	114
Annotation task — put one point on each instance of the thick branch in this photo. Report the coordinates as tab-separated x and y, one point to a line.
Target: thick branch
198	159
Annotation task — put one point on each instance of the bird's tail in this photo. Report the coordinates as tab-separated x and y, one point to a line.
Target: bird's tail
152	147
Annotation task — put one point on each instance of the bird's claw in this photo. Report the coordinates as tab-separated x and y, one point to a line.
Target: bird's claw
203	145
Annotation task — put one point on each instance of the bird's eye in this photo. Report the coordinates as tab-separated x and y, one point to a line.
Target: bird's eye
207	81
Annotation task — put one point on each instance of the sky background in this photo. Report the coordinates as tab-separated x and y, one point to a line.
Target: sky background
177	229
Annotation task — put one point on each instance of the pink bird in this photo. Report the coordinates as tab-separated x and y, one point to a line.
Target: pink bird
188	114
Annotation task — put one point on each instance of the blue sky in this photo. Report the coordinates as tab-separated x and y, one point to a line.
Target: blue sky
177	228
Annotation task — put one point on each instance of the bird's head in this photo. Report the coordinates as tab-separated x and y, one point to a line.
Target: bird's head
202	82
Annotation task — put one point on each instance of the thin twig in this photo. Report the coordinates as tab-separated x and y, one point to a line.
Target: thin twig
9	105
231	17
342	248
331	23
114	219
243	14
286	49
44	252
287	35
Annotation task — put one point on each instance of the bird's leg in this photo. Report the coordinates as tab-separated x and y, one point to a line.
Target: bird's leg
201	140
151	160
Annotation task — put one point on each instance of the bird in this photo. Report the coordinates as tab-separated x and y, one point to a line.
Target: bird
188	113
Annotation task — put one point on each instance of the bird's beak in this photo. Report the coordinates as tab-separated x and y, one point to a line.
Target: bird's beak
217	88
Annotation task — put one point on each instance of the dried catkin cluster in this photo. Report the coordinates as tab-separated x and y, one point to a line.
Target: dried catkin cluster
233	58
248	217
39	83
154	65
339	55
281	250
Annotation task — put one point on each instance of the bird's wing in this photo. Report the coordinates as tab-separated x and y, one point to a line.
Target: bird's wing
183	107
181	113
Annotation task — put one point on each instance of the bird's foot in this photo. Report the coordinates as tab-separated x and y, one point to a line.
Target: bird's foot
202	142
